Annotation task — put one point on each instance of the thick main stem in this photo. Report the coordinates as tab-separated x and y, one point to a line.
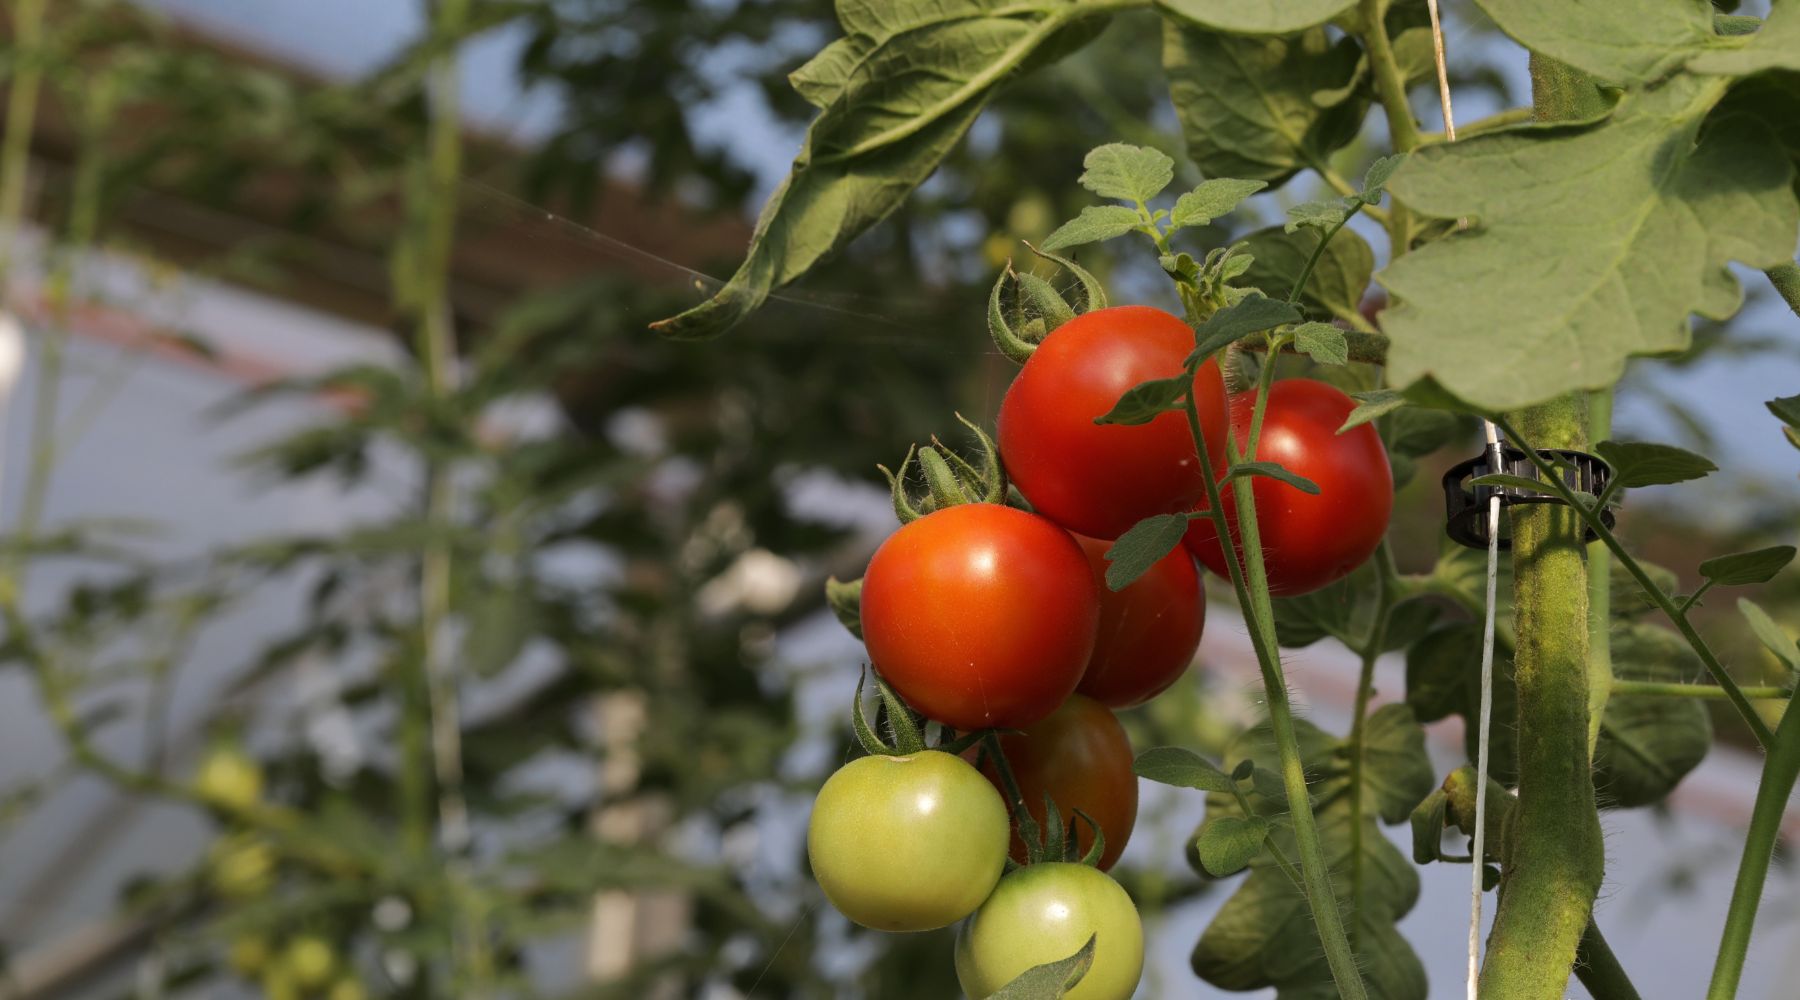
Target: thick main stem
1554	858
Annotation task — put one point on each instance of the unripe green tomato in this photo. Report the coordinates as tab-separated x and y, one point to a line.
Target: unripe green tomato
243	866
278	984
229	778
908	843
347	988
309	960
1044	913
248	954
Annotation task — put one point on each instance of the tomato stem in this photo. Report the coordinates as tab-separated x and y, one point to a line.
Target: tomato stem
1780	770
1252	586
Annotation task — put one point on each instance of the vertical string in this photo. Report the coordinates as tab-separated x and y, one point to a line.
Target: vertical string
1477	850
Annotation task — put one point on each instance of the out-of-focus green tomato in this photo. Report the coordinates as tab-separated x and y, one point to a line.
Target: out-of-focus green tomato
242	866
229	778
309	961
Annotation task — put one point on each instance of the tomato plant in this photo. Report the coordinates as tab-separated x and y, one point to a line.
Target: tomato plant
908	843
1309	539
1148	631
1100	480
1081	758
1044	912
980	615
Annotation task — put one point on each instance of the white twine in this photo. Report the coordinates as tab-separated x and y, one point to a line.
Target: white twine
1476	850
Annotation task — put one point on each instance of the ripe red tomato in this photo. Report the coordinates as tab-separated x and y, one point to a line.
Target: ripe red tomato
1308	540
980	615
1081	756
1148	631
1100	480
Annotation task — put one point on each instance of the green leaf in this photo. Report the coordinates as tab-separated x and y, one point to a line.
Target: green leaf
1139	548
1322	342
1638	464
1181	768
1771	635
1376	177
1629	599
1415	431
1247	106
1264	17
1146	401
1271	470
1786	409
1620	41
1510	481
1235	322
1050	980
1648	744
1323	216
1264	934
1632	235
1443	678
1334	289
1211	200
1372	405
1095	224
1227	844
1741	568
845	600
1127	173
1428	827
895	94
1397	771
1774	46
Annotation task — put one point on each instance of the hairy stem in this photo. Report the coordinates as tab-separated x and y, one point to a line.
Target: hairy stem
1599	569
21	117
1599	969
1780	769
1554	858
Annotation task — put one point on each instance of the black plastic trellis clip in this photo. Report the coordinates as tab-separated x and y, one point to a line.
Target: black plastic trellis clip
1466	507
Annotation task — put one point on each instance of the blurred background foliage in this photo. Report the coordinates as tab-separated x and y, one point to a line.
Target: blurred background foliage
624	578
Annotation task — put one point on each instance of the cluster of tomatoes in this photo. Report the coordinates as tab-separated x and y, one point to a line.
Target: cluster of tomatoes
982	616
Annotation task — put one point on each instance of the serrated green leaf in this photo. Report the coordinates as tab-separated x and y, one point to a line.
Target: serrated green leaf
1235	322
1127	173
1141	546
1095	224
1181	768
1397	770
1246	105
1774	46
1742	568
1321	215
1214	198
1339	278
1051	980
1372	405
894	96
1145	401
1227	844
1786	409
1637	463
1322	342
1415	431
1772	636
1622	41
1376	177
1648	744
1271	470
1509	481
1264	17
1632	236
